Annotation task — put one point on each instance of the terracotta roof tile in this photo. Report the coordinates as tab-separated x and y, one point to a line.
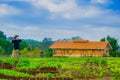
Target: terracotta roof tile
80	44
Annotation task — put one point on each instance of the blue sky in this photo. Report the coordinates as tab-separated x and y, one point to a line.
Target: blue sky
36	19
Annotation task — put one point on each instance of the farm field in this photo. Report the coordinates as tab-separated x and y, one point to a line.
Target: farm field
60	69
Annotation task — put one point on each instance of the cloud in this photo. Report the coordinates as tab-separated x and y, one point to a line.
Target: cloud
6	10
89	32
90	21
69	9
100	1
65	8
15	0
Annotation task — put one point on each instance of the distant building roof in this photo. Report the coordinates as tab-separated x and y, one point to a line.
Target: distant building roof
80	44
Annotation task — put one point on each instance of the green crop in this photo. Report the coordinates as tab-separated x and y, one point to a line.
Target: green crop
10	60
77	68
13	73
23	63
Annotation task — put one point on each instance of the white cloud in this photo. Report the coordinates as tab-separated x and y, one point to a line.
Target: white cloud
15	0
97	22
54	5
8	10
89	32
68	9
100	1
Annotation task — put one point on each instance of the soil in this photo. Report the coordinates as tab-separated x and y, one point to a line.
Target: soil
41	70
31	78
7	66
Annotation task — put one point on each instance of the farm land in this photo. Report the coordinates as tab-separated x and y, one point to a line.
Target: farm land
60	69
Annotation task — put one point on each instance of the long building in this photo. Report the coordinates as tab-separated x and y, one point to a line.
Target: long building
81	48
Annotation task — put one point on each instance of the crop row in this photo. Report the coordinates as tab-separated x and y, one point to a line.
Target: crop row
73	68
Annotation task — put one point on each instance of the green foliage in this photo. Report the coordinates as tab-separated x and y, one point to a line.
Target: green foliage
23	45
103	39
114	43
98	61
13	73
32	43
76	68
6	45
51	65
36	52
24	52
48	53
117	54
46	43
2	51
49	75
117	75
10	60
27	52
2	35
23	63
76	38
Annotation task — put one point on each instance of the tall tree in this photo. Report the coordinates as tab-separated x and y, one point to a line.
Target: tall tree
103	39
114	43
6	45
46	42
2	35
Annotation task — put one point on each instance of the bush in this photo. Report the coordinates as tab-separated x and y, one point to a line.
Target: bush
36	52
48	53
24	52
117	54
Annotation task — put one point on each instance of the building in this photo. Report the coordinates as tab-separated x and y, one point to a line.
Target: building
81	48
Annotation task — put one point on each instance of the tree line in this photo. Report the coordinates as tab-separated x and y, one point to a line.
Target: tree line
33	48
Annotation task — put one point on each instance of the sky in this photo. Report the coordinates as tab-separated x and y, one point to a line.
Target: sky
58	19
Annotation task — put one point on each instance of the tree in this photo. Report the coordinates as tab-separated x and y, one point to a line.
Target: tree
6	45
76	38
46	42
23	45
103	39
70	39
2	35
32	43
114	43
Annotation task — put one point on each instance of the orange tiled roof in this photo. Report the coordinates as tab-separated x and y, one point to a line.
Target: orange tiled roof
80	44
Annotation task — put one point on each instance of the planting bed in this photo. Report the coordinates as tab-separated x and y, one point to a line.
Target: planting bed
60	69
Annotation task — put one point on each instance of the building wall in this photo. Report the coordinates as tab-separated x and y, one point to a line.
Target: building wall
80	52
